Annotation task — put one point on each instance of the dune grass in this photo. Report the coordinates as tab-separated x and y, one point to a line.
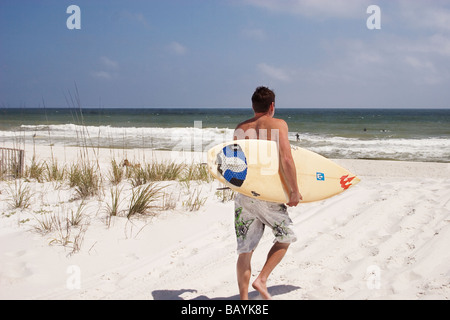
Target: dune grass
194	201
86	180
66	229
143	198
35	170
134	192
54	171
20	195
116	173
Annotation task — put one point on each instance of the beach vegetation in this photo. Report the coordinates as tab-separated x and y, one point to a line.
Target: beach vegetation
143	199
20	195
116	173
16	169
168	201
35	170
62	230
76	218
156	171
9	214
55	172
162	171
66	229
74	175
85	179
138	176
167	171
79	238
113	208
196	172
194	201
186	184
225	194
45	223
43	171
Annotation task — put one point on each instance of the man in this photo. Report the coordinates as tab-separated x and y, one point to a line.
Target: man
251	215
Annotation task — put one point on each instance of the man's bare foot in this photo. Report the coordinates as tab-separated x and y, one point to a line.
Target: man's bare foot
261	287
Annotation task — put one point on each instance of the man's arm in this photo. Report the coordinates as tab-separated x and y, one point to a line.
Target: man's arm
287	165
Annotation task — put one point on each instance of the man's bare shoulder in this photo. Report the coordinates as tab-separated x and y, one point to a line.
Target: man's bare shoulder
245	124
279	123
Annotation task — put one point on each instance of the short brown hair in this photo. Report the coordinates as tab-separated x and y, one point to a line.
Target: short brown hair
262	99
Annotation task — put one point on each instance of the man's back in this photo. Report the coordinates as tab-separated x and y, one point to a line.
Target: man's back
265	127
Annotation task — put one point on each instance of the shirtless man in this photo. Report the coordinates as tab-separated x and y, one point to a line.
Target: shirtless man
252	215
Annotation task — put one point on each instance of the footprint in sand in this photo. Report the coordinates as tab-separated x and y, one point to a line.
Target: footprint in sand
12	268
15	254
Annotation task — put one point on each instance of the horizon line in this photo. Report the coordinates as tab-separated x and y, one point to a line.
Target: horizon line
228	107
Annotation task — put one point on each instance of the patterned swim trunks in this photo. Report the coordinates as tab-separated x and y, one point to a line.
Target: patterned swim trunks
251	217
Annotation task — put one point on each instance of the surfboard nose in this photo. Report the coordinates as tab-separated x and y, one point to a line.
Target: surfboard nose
348	180
355	180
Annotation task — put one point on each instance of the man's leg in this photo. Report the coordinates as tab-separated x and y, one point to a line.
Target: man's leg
244	272
274	257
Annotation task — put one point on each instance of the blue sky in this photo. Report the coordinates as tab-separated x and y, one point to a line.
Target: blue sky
313	53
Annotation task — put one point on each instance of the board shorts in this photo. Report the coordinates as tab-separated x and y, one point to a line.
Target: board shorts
251	217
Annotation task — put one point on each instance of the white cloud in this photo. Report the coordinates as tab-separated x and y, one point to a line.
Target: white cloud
109	63
274	72
425	71
319	9
254	33
177	48
102	75
425	15
135	17
433	45
420	64
389	61
108	69
440	44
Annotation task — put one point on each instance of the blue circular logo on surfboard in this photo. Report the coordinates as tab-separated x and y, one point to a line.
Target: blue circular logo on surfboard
232	164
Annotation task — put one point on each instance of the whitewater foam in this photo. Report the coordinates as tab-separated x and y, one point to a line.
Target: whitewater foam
201	139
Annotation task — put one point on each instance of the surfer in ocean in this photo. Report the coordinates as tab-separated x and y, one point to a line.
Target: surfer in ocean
252	215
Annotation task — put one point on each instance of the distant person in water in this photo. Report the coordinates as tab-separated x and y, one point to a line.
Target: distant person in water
252	215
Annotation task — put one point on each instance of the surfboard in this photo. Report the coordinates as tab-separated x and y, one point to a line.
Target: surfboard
252	167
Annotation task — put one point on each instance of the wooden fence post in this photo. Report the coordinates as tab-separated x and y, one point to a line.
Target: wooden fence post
12	163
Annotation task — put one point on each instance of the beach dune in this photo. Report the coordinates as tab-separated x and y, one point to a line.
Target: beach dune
385	238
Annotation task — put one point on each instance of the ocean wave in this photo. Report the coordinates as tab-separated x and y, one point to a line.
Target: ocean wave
414	149
201	139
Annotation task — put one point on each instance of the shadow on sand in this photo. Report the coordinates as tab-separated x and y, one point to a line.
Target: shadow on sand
176	294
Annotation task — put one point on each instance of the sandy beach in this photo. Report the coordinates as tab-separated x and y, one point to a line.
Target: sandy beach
385	238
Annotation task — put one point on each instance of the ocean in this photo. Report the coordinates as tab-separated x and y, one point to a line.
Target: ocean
388	134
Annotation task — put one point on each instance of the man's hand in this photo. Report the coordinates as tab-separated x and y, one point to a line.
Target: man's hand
294	199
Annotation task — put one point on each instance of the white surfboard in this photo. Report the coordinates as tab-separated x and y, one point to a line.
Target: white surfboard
251	167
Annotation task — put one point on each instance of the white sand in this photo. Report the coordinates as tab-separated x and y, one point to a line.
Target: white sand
386	238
